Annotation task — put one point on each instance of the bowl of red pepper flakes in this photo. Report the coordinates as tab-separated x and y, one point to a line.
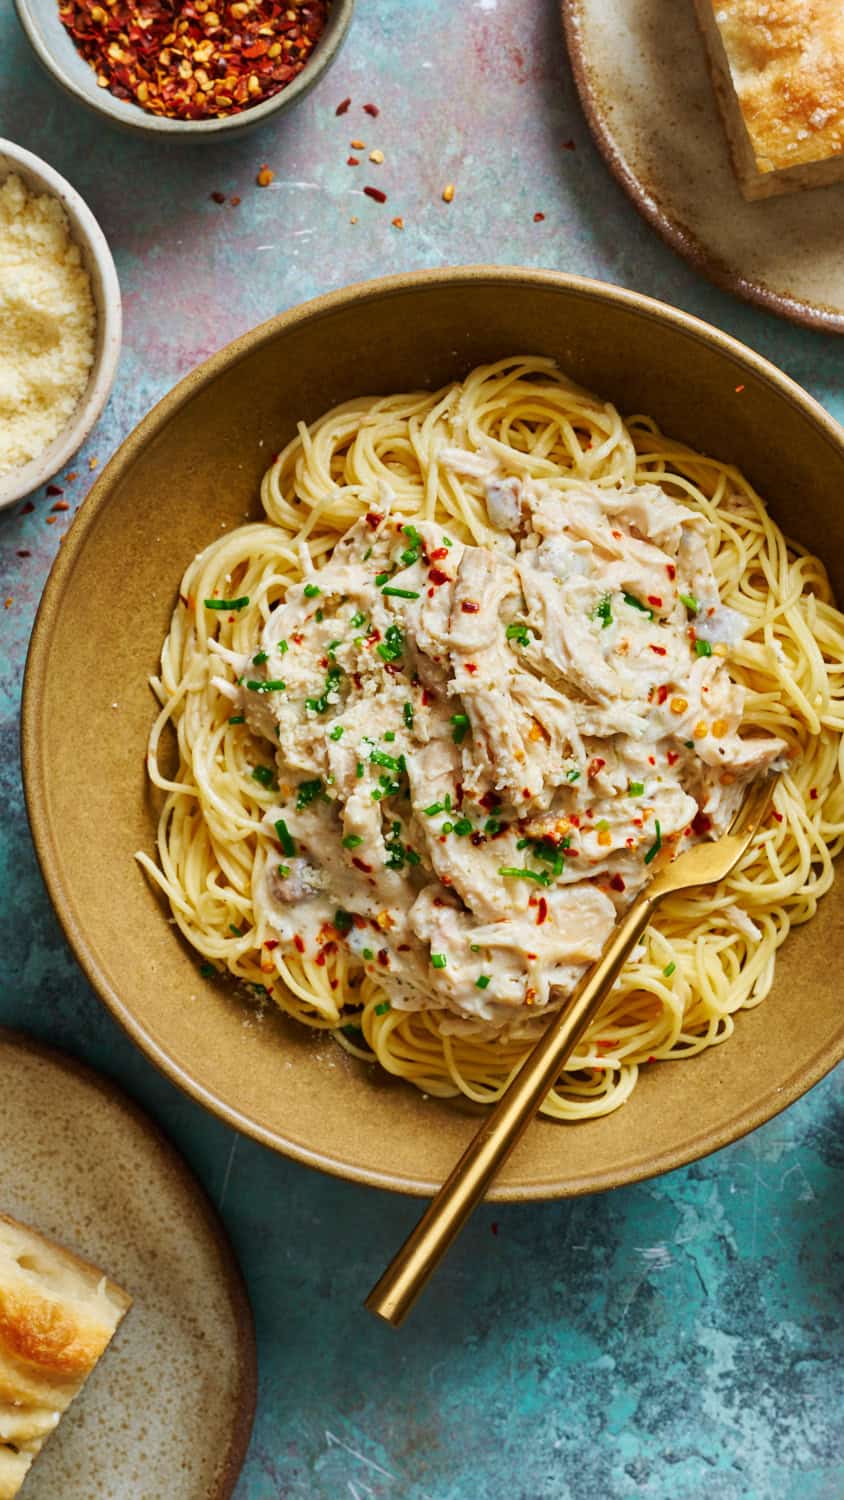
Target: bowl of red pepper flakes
190	69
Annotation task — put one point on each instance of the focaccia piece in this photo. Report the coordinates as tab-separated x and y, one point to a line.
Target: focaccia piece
57	1316
778	71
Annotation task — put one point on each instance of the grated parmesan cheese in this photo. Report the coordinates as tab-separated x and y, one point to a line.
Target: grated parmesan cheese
47	323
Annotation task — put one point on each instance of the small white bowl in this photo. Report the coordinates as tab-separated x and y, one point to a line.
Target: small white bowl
97	258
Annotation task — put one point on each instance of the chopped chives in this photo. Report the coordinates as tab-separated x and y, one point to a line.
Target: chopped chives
407	714
332	647
359	618
392	645
263	775
572	775
282	648
367	554
367	953
460	724
492	825
703	648
395	593
474	947
359	769
447	542
447	801
463	826
656	845
284	871
412	857
342	920
603	611
381	578
240	603
308	790
690	602
389	736
636	789
207	970
602	826
285	837
236	930
439	960
259	658
446	828
382	1007
689	744
637	604
512	873
319	617
237	719
352	841
381	758
669	970
311	591
269	685
518	633
436	807
412	536
482	981
336	733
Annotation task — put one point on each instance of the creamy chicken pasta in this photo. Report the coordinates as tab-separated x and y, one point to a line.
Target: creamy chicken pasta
492	659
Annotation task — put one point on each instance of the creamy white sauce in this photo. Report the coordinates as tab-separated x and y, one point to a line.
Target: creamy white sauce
452	714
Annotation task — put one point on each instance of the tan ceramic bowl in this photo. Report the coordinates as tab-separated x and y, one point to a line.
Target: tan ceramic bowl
196	461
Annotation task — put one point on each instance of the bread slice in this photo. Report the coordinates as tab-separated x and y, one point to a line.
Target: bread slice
57	1315
778	71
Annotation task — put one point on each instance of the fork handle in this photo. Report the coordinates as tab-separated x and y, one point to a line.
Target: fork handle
395	1293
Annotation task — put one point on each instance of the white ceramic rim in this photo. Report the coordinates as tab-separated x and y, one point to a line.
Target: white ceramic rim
88	235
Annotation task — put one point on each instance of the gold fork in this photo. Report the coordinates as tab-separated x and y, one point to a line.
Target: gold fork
704	864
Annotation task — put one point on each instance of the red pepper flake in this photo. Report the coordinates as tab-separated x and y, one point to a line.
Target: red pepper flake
595	765
60	505
372	109
51	520
343	106
298	944
235	201
673	757
739	388
568	145
437	577
361	864
469	607
438	554
617	884
373	519
542	911
217	198
538	218
352	161
662	692
777	816
74	474
493	1228
397	223
334	983
22	552
671	571
427	697
320	958
814	794
655	600
376	193
659	650
27	509
271	943
384	958
651	760
701	823
471	667
54	489
7	604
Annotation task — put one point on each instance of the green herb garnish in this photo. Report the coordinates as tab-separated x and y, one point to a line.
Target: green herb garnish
394	593
482	981
382	1007
336	733
518	633
259	658
603	611
308	790
342	920
237	719
352	841
669	970
460	723
263	775
656	845
691	603
240	603
510	872
283	870
703	648
436	807
463	826
311	591
637	604
407	714
285	837
635	788
392	646
439	960
359	618
269	685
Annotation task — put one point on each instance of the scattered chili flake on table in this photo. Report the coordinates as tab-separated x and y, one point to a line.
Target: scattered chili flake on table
54	489
372	109
343	106
568	145
92	463
8	603
265	176
23	552
358	145
218	197
352	161
376	193
234	201
538	218
187	59
398	223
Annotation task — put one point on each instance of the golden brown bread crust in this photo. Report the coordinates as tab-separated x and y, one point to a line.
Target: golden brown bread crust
778	69
57	1315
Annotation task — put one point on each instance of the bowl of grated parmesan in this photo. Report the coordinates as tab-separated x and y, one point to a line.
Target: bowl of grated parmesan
60	322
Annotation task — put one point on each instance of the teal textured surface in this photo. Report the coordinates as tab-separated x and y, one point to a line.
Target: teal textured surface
681	1339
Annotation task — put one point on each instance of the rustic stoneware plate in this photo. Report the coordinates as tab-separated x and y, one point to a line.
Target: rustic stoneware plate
192	467
641	72
169	1409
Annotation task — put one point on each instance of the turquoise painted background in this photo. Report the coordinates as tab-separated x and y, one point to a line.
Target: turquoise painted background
681	1339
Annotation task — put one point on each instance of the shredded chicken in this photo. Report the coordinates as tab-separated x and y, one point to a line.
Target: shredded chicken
484	752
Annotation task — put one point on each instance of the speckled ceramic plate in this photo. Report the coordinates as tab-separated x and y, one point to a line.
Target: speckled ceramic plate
168	1411
641	71
193	467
